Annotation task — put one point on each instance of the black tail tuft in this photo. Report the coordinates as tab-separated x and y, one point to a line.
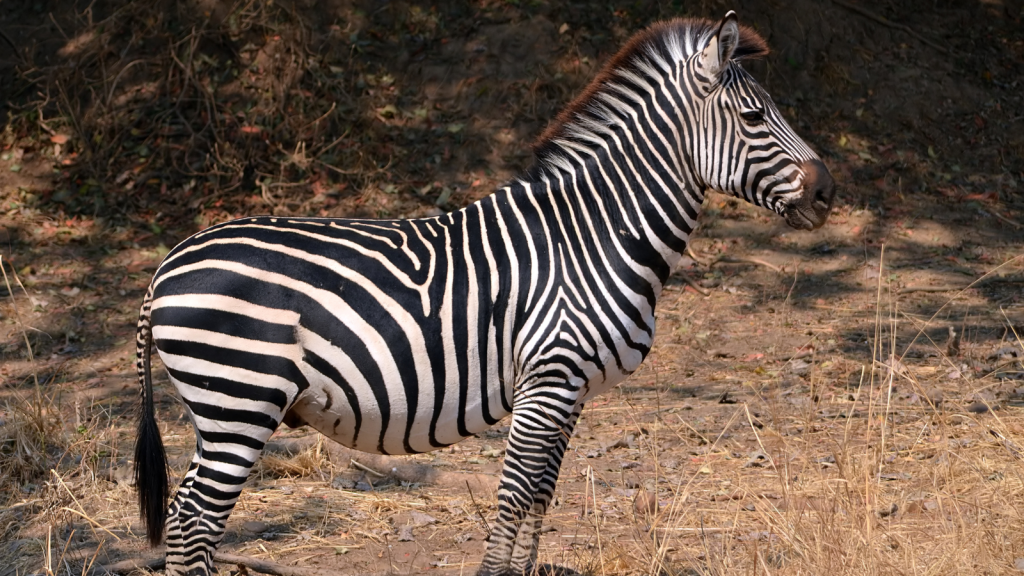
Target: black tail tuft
150	459
151	477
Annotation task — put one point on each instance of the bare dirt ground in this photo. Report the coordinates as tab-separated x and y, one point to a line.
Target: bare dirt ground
811	414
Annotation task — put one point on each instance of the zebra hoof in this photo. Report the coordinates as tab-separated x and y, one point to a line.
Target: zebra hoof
549	570
541	570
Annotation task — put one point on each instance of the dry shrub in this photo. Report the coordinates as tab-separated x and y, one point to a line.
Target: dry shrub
32	439
167	99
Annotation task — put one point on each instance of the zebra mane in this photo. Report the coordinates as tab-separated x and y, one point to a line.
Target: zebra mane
657	48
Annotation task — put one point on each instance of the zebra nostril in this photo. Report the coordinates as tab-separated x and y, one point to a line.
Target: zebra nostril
822	197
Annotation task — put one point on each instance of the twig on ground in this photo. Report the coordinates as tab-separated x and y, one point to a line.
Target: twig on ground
475	505
14	47
991	212
886	22
959	287
255	564
795	356
692	255
1008	444
741	260
365	468
939	288
692	284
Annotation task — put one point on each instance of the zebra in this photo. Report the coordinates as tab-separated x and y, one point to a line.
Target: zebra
405	336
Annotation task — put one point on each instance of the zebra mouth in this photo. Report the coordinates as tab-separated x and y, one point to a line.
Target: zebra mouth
803	219
810	210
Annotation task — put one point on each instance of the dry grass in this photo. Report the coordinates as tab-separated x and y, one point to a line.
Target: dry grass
880	477
854	465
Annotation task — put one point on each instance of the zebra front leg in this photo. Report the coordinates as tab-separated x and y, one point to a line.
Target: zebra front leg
524	553
535	434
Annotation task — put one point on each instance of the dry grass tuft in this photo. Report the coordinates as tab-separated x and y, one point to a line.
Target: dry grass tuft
309	462
32	439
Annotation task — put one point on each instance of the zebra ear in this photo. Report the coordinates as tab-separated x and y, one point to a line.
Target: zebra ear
722	46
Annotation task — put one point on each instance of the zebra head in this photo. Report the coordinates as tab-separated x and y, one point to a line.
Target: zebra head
744	147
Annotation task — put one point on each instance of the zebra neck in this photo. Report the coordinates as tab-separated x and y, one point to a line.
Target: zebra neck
645	215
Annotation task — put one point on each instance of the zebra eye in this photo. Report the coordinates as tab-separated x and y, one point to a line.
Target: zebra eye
753	116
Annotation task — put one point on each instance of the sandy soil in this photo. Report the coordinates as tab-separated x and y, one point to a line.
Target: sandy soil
809	415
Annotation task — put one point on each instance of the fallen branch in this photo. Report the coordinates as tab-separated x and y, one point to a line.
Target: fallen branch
886	22
131	564
267	567
689	282
690	253
990	212
959	287
740	260
940	288
798	355
355	464
254	564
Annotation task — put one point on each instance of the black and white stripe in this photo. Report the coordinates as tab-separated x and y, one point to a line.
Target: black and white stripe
404	336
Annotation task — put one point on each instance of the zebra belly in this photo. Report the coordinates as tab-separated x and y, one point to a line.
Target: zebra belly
320	409
414	407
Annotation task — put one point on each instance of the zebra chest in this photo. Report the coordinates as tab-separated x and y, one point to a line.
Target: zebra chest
596	348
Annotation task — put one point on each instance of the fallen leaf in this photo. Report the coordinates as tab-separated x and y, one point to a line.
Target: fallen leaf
405	534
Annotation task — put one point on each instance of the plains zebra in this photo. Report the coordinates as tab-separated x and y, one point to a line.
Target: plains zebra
403	336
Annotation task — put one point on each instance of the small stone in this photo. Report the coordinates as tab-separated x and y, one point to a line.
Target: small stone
341	483
1018	563
935	396
757	459
420	519
121	474
800	367
255	527
978	408
722	496
646	504
885	513
405	534
467	536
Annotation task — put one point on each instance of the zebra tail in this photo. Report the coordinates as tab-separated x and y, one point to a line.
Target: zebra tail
150	458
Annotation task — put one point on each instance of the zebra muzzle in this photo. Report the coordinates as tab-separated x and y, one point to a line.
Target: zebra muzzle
811	210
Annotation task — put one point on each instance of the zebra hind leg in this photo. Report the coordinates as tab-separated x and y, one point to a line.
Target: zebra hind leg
524	552
175	548
228	444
